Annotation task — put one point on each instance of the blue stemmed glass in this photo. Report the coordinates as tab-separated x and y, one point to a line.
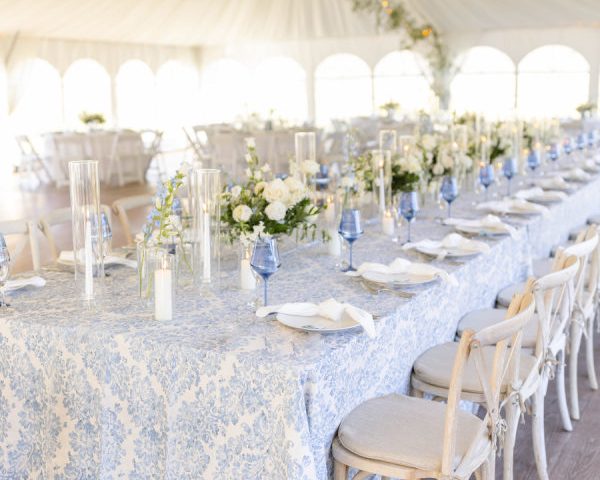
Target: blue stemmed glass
350	230
449	191
409	206
486	177
553	152
580	142
265	261
509	170
533	160
591	139
568	146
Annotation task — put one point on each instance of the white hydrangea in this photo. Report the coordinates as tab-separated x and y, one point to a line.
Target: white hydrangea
429	142
446	160
276	190
438	169
242	213
276	211
297	190
310	167
236	191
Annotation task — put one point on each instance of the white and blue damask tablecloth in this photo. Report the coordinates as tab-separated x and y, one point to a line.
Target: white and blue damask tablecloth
217	392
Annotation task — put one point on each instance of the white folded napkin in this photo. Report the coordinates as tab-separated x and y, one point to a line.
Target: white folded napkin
590	166
329	309
488	223
18	283
555	182
67	256
512	205
451	241
402	265
576	174
537	192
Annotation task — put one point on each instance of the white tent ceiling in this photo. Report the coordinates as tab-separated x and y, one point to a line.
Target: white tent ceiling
214	22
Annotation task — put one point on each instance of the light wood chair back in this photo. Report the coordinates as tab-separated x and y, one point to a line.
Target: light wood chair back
586	249
123	205
24	230
58	217
505	337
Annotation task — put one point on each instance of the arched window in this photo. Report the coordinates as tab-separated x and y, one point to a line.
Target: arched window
280	86
553	80
343	88
136	99
86	89
485	83
35	97
401	77
224	91
177	94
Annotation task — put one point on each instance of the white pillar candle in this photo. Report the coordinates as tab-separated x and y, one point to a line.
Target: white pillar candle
163	304
330	211
387	224
247	278
334	246
206	248
88	256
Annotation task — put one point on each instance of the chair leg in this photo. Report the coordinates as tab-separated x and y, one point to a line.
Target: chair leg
573	357
561	392
512	421
589	351
340	471
539	440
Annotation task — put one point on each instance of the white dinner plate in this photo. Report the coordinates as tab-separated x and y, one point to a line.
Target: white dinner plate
399	279
447	252
512	211
545	199
480	231
316	323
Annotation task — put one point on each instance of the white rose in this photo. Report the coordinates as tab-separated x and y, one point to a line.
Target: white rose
310	167
236	191
447	161
438	169
276	190
293	184
259	187
276	211
428	141
242	213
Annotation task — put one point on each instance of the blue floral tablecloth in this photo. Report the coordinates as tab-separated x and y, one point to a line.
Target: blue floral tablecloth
217	392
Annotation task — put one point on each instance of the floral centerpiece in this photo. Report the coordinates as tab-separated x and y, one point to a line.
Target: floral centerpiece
500	143
441	158
390	108
406	173
266	206
91	119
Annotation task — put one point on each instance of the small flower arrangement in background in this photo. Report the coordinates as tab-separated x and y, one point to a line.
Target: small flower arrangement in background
266	206
92	118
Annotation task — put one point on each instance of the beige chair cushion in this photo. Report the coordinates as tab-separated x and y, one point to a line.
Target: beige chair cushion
434	367
507	293
406	431
479	319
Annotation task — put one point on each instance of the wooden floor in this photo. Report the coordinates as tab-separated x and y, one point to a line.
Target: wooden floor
574	455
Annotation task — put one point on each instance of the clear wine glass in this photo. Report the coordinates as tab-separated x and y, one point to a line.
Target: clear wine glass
350	230
409	206
509	170
486	177
265	261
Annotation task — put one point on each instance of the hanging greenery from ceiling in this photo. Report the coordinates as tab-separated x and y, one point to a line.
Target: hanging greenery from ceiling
393	15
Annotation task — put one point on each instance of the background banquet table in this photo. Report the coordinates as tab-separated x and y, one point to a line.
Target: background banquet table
217	392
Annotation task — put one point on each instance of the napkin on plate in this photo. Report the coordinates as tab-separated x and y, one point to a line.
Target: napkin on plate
329	309
576	174
590	166
555	182
537	192
401	265
517	205
454	241
490	223
18	283
67	256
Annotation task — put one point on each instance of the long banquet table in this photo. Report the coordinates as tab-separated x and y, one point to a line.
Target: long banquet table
217	392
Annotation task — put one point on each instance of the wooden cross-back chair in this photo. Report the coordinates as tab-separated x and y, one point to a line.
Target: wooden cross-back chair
413	438
120	208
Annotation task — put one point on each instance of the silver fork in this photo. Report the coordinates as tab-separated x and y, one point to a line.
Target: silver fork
376	289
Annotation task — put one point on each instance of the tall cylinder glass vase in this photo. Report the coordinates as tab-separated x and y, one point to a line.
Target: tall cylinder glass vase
305	144
205	185
88	250
388	140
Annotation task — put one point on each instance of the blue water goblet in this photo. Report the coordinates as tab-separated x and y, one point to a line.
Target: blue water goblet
568	146
265	261
553	152
486	177
350	230
409	206
509	170
533	160
591	139
580	142
449	191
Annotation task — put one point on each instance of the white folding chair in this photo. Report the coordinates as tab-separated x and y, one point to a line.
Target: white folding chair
68	147
60	217
413	438
123	205
31	163
24	230
130	159
101	146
